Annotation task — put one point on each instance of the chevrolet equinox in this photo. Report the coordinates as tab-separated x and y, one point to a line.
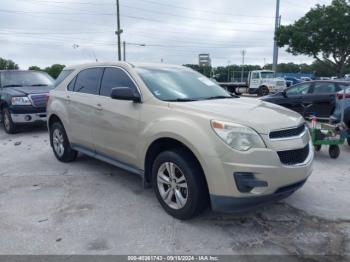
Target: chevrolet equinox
195	143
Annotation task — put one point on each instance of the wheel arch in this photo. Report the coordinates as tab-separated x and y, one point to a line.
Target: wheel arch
163	144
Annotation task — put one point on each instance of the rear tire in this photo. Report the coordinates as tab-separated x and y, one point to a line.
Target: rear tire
60	144
179	184
334	151
263	91
9	126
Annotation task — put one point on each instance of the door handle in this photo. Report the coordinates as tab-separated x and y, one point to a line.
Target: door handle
98	107
67	99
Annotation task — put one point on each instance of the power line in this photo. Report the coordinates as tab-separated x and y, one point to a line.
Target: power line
187	17
203	11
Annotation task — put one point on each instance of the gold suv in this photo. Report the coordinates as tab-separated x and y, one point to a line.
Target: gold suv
195	143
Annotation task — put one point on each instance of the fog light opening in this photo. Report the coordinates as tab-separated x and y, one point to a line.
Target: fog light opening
27	118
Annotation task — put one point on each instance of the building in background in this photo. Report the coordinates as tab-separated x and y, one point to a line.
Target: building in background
204	60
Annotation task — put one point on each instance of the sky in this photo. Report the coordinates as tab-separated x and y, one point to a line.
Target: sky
44	32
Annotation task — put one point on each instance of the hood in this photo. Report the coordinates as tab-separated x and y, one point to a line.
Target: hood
259	115
28	90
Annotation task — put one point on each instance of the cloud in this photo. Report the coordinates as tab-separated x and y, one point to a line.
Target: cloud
43	32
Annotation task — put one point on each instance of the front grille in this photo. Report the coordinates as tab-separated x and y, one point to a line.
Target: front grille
287	132
294	157
38	100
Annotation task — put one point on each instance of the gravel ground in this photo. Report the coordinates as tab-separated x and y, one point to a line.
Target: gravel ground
89	207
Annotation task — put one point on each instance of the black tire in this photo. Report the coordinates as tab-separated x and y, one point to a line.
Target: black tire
196	192
334	151
263	91
318	148
348	141
9	126
68	154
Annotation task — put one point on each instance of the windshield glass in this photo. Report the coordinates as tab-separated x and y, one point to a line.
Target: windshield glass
267	75
177	84
25	78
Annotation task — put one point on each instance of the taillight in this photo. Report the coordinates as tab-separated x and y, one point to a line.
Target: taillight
340	96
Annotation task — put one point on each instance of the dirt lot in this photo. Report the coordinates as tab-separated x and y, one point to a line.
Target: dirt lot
89	207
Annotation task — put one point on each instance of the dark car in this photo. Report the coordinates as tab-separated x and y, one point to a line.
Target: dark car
309	98
291	81
342	109
23	96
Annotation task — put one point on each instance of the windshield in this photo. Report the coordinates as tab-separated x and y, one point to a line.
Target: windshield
265	75
177	84
25	78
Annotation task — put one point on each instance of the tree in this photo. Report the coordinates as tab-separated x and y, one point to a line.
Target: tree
205	70
7	64
35	68
323	33
54	70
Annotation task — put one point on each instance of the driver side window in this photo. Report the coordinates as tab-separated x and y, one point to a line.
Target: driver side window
255	76
114	77
301	89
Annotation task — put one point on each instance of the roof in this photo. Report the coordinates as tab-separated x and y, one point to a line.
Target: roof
124	64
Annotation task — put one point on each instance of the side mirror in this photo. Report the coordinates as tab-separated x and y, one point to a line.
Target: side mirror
125	93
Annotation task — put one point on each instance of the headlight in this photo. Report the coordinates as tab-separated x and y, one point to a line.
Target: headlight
238	137
20	101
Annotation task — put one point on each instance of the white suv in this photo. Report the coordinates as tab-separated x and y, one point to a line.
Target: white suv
182	133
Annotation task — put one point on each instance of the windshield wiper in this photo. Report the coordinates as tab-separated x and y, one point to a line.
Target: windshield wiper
39	85
181	100
220	97
12	85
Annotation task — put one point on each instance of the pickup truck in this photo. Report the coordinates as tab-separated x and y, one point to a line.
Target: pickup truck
23	96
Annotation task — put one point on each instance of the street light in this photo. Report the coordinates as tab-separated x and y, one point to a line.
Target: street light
128	43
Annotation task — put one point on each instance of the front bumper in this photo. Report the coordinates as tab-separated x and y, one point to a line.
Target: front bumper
27	114
270	179
28	118
244	204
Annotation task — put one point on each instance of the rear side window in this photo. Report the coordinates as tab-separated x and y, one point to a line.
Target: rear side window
324	88
114	77
88	81
70	86
62	76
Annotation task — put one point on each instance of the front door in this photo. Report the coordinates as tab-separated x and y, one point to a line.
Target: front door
115	124
294	97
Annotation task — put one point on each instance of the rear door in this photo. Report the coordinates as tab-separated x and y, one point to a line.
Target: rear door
294	99
115	123
81	101
321	99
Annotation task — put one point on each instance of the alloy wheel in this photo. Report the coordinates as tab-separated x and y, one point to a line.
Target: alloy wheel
57	141
172	185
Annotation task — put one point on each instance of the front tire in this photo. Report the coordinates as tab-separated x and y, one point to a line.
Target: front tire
179	184
9	126
263	91
60	143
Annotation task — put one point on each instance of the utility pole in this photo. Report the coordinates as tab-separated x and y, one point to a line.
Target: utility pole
124	51
242	73
118	32
275	47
